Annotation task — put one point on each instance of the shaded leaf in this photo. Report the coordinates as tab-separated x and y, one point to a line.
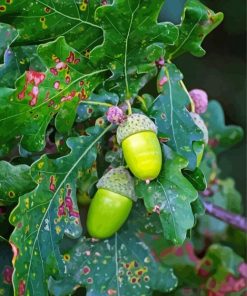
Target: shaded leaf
133	40
219	271
225	195
197	22
221	137
8	34
170	196
196	178
43	216
14	182
16	61
39	96
6	268
173	119
120	265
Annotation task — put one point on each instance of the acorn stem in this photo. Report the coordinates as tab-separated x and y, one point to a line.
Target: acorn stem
141	100
191	101
129	107
96	103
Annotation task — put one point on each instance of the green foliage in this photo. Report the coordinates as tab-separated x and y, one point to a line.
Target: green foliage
123	264
64	63
16	182
221	137
6	268
172	118
170	196
197	22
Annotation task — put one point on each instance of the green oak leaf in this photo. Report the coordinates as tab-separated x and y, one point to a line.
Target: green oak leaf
39	96
225	196
133	40
196	178
209	165
221	136
120	265
8	35
170	196
197	22
43	216
172	118
6	268
52	19
14	182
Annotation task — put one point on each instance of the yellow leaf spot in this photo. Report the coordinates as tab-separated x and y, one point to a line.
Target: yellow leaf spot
40	164
27	204
11	194
2	8
66	257
83	5
58	229
27	229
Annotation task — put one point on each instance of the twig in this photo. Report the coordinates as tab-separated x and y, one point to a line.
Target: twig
238	221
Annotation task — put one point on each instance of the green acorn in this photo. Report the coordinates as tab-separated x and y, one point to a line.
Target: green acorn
111	204
137	136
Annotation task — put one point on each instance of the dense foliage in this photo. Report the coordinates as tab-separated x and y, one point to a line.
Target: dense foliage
64	64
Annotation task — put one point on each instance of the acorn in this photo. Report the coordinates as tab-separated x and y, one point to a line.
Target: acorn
137	135
111	204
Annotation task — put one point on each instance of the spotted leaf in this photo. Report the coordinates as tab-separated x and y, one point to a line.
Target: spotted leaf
14	182
197	22
220	272
43	216
172	117
170	197
6	269
133	40
120	265
38	96
53	19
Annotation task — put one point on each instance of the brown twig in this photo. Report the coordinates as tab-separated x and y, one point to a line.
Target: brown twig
238	221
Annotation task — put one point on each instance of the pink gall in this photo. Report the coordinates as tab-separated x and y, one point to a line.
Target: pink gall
115	115
200	99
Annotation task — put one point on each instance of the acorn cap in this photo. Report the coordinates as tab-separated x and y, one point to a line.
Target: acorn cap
133	124
118	180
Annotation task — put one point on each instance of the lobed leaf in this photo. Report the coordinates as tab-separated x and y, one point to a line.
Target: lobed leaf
197	22
53	19
172	118
14	182
43	216
221	136
133	40
220	272
170	196
38	96
120	265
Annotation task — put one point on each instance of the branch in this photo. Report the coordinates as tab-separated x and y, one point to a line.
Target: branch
233	219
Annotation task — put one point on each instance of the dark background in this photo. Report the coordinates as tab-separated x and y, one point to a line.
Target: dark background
221	72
